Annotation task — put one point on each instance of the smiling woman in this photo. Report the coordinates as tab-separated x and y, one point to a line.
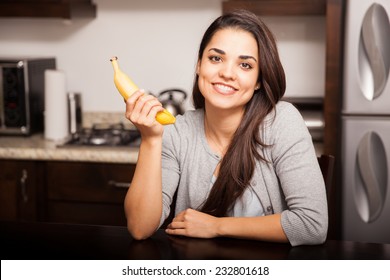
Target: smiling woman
242	164
229	68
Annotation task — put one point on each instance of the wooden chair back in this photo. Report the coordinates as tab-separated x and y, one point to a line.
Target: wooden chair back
326	163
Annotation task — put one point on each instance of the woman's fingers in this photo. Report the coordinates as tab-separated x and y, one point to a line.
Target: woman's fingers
131	102
175	231
177	228
193	223
142	108
150	106
176	225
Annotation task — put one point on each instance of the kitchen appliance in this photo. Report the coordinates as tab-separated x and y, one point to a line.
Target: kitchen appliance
366	123
75	120
311	109
170	101
22	94
105	135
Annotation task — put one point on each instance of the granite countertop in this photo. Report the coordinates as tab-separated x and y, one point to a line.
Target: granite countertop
36	147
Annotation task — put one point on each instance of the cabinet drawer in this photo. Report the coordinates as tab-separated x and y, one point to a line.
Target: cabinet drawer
20	190
88	182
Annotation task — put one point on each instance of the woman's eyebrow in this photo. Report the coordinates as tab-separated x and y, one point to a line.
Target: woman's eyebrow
217	50
244	57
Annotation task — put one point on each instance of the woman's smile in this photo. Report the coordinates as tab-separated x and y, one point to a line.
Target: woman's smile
224	88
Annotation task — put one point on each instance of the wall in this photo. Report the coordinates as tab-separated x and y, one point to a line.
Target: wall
302	48
156	42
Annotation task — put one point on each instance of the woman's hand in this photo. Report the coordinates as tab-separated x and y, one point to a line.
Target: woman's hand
193	223
141	110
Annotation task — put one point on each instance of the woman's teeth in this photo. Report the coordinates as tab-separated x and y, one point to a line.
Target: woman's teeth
224	88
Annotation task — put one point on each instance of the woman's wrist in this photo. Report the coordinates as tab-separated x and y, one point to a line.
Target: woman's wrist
219	227
151	142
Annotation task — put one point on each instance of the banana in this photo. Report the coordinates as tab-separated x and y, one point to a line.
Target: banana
126	88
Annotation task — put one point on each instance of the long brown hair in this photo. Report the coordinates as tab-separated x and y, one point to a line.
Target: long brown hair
239	162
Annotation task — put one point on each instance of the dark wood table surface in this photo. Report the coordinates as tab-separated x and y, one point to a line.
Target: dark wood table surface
42	241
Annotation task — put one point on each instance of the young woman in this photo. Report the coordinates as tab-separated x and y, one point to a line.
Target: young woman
243	162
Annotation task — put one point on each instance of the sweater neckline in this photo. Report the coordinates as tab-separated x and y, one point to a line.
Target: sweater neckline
202	134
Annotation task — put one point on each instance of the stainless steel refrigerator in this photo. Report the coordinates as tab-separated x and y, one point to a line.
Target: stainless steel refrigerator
366	122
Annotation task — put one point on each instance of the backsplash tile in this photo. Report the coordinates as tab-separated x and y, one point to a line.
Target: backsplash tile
91	118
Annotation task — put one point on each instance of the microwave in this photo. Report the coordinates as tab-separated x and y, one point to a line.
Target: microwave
22	88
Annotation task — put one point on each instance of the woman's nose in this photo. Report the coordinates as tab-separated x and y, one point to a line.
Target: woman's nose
227	71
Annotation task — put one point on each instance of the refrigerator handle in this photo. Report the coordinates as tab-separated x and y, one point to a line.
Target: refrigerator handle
372	168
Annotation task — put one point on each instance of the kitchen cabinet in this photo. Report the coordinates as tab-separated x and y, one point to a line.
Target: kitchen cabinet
87	193
278	7
64	191
20	192
66	9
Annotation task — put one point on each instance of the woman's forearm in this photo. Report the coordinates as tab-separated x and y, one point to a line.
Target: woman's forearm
193	223
143	202
265	228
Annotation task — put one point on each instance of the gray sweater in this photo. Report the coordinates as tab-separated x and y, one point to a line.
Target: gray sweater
290	184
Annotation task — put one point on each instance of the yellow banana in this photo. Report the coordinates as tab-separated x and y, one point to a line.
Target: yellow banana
126	88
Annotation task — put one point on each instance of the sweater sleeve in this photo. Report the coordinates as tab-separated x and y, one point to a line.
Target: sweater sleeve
305	221
170	168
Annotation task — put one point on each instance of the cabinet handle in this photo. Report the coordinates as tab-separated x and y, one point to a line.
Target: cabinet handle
23	185
116	184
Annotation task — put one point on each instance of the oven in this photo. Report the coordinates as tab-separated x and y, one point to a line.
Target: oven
311	109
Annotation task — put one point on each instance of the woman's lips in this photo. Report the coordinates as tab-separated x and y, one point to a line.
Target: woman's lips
224	89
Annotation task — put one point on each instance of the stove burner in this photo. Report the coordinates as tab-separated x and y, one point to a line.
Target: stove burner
98	141
106	135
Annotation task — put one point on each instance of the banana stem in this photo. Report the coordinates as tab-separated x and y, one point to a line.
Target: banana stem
114	61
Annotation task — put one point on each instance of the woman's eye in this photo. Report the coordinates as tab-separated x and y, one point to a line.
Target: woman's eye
215	58
246	65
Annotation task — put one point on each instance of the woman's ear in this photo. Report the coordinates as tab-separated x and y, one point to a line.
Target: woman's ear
197	67
257	87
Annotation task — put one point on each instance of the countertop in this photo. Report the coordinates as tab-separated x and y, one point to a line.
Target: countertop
32	240
35	147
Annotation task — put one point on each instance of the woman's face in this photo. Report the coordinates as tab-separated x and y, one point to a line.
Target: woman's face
229	69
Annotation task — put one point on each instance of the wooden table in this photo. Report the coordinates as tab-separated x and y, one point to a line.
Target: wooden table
23	240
